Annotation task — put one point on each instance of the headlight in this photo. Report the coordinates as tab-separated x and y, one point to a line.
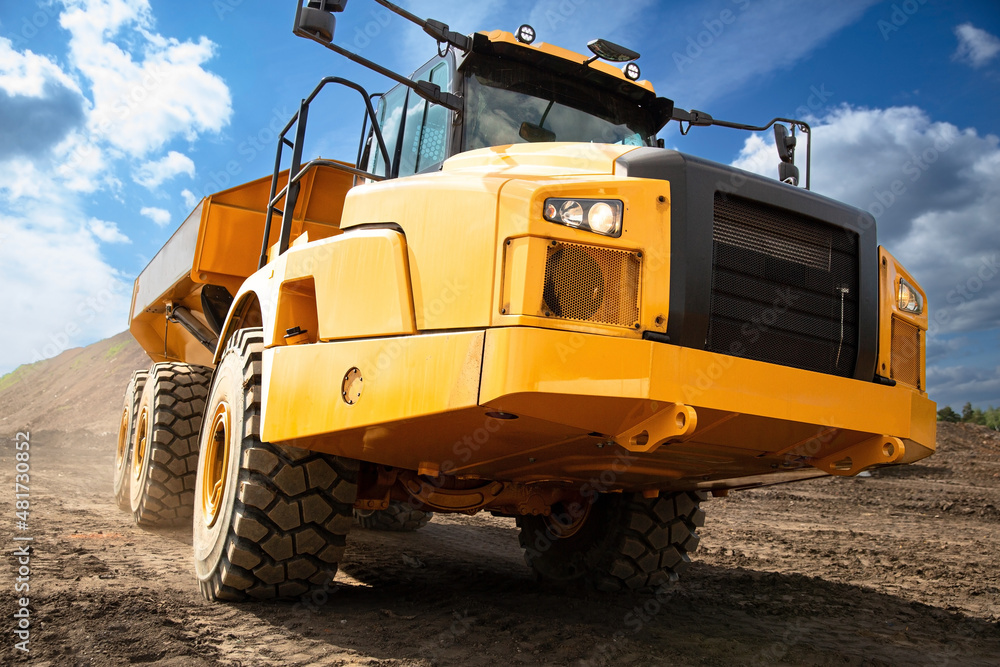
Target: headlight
602	216
908	299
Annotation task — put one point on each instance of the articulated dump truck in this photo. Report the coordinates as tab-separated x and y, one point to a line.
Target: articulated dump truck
514	299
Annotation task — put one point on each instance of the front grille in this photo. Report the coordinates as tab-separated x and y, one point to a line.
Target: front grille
591	284
784	288
904	362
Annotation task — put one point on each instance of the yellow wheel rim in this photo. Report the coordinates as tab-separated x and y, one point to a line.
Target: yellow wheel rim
139	451
122	441
215	464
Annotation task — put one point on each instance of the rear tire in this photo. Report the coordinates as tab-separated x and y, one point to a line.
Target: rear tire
624	542
126	432
269	521
165	443
397	517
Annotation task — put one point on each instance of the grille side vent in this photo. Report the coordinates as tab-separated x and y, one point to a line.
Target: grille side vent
591	284
904	362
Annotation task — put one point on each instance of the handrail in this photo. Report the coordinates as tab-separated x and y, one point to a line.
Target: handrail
296	170
319	162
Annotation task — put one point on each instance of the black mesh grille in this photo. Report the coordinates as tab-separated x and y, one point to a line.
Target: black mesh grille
584	282
784	288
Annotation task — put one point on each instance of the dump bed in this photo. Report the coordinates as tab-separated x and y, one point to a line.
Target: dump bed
214	250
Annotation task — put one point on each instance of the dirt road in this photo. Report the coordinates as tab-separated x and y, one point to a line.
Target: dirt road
898	568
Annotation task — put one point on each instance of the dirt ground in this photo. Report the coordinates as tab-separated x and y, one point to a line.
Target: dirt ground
902	567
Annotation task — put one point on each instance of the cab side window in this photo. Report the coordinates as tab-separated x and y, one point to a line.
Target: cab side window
425	135
390	115
423	143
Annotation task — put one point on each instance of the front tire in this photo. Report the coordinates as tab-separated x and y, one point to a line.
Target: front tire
621	542
269	521
126	432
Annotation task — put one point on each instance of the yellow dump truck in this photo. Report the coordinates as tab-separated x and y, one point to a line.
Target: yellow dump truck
516	300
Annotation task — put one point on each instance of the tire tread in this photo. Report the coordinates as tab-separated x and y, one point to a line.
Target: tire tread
278	534
167	497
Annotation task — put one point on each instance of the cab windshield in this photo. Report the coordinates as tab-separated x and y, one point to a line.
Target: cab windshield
511	103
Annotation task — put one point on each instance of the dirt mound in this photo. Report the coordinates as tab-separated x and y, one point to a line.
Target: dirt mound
81	389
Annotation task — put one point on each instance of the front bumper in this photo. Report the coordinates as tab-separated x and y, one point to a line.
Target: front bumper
635	414
678	403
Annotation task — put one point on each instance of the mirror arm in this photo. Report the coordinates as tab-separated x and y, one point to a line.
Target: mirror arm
700	118
429	91
435	29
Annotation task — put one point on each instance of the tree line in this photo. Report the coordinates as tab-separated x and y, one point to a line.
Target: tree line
989	417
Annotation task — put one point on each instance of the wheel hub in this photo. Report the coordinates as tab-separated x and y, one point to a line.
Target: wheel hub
139	454
215	464
120	453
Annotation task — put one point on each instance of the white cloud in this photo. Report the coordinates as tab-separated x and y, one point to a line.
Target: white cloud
39	103
21	179
56	284
107	232
82	165
158	215
25	73
976	47
190	200
954	385
140	105
934	190
153	173
68	127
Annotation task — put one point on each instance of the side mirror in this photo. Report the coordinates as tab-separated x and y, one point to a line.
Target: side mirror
317	19
785	143
536	133
787	171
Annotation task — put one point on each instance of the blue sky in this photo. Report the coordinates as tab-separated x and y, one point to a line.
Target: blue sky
115	115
